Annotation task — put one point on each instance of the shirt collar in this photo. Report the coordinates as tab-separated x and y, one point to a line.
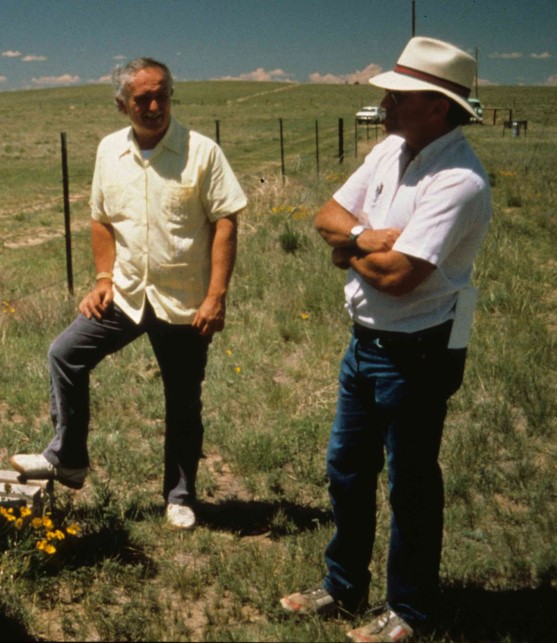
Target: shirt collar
172	140
433	150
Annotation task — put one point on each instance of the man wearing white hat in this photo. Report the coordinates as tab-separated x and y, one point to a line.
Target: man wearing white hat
407	226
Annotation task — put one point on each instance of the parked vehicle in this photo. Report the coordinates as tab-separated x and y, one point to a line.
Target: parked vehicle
370	114
478	108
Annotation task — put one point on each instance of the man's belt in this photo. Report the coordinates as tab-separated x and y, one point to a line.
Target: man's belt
435	333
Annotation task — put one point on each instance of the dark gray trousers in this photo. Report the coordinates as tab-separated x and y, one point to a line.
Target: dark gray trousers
182	356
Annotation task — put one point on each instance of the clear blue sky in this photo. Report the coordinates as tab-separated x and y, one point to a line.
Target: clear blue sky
72	42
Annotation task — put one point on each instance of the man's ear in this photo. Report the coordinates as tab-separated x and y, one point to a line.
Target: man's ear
121	105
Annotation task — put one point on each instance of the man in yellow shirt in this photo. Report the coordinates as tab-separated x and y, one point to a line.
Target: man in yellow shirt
164	202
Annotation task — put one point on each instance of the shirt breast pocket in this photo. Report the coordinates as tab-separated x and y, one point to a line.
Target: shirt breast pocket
179	203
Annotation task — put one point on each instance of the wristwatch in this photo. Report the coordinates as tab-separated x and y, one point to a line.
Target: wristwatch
355	233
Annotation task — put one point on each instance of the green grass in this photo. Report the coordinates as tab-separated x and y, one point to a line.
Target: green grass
270	392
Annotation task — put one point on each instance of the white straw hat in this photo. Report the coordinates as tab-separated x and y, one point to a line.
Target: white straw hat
427	64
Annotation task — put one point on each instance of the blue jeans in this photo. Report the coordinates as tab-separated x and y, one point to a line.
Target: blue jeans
393	392
182	356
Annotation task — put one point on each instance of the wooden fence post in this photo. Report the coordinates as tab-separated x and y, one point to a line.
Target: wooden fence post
66	190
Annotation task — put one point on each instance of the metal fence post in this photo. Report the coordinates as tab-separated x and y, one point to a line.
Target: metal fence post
283	170
317	147
340	140
66	190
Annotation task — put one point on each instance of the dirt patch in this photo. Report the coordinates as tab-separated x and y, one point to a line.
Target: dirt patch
226	484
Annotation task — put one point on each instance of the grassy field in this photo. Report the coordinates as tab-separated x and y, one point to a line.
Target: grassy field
271	387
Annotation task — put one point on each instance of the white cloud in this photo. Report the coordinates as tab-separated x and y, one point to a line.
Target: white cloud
361	76
119	57
543	56
508	56
3	79
65	79
484	82
552	81
11	54
261	74
32	59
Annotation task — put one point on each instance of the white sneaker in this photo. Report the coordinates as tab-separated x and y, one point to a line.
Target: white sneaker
311	601
34	466
180	517
386	627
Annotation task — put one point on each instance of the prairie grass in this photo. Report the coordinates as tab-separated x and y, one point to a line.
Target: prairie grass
270	392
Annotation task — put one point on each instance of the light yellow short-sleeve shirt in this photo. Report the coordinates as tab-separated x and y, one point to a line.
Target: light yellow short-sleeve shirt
161	210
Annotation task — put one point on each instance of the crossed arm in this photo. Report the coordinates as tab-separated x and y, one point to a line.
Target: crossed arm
372	256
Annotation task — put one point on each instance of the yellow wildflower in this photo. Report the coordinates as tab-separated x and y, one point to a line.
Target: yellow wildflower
229	351
25	511
41	544
72	529
7	307
19	523
50	549
301	212
304	316
37	523
237	369
47	523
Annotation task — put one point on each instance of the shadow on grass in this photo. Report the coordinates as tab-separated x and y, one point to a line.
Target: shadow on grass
251	518
12	630
475	614
105	535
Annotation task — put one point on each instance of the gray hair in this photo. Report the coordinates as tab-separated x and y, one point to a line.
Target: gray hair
122	75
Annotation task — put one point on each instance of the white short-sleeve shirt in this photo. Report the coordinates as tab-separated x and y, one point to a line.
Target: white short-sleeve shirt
442	204
161	209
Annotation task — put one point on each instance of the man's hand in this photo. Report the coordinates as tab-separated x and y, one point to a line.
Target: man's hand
96	303
369	241
209	318
377	240
341	257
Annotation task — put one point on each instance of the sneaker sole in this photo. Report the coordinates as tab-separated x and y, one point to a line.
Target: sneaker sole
70	483
176	528
65	481
325	610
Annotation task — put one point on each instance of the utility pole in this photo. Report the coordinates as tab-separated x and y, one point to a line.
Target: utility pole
413	18
476	55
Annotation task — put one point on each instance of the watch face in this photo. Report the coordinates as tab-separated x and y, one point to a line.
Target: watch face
356	231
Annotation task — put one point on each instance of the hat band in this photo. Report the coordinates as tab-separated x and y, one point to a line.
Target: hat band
435	80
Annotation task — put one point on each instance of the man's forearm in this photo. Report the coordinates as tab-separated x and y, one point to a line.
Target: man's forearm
334	223
223	256
103	245
390	272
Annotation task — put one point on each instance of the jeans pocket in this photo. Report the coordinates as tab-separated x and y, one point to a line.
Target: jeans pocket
390	390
